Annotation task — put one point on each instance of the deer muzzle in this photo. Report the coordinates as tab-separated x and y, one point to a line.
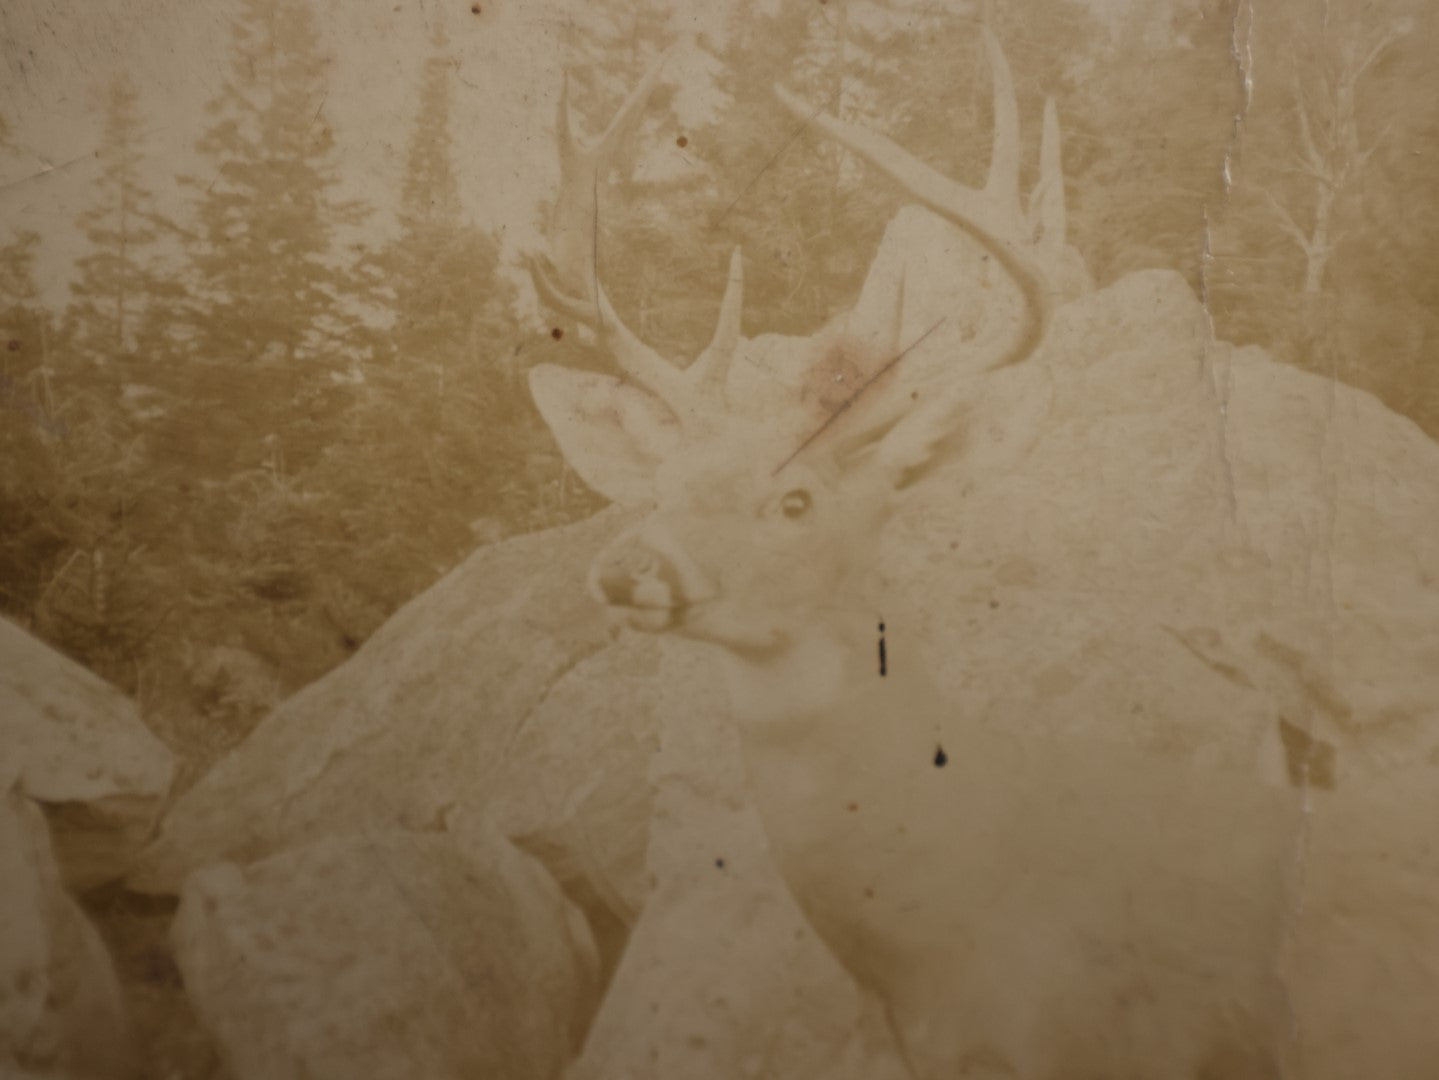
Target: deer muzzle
650	586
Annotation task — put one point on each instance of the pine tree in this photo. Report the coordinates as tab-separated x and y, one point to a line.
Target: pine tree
432	439
269	308
117	285
30	539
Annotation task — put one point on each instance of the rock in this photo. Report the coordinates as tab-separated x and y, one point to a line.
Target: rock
575	794
60	1006
1216	556
386	954
722	975
76	744
415	722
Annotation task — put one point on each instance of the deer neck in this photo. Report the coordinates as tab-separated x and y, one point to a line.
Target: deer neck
828	659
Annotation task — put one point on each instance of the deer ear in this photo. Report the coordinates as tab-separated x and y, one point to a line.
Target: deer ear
989	429
611	433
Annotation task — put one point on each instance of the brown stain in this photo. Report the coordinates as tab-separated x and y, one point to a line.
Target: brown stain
682	142
1055	681
13	345
839	373
1312	682
557	333
1016	571
1206	646
475	9
1308	761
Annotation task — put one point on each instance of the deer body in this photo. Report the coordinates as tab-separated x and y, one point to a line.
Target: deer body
1025	906
1036	907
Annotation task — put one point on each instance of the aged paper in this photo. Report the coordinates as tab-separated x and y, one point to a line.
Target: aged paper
776	538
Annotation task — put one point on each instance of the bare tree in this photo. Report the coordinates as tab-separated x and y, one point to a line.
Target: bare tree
1331	152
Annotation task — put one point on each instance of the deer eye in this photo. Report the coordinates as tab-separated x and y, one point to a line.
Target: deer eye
796	503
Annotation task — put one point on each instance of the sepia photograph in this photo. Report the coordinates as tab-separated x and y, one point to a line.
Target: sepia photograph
719	540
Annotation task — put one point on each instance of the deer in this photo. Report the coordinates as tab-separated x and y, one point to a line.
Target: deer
1021	905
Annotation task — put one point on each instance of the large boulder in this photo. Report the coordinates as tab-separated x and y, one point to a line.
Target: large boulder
60	1008
387	954
419	720
76	745
81	781
574	791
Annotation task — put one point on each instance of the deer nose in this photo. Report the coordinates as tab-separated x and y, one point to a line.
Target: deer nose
633	574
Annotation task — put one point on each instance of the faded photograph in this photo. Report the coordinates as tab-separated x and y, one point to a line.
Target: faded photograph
661	540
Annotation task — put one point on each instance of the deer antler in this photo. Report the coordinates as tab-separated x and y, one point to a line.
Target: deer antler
568	281
991	214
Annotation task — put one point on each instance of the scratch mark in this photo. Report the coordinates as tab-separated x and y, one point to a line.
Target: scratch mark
847	402
317	110
595	246
784	146
46	171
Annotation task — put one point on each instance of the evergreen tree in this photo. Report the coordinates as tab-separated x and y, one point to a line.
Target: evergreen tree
270	314
116	284
30	427
433	438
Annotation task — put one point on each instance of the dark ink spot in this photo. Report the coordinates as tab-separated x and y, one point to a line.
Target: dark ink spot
883	661
852	807
13	345
350	642
682	142
941	759
474	9
719	863
557	333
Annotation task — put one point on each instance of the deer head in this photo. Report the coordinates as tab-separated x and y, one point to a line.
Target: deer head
771	464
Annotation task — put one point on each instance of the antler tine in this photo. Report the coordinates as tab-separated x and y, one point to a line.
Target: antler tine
710	366
639	361
569	280
542	272
991	216
573	219
1048	220
1002	183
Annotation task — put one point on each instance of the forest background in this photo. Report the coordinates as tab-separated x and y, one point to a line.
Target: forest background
245	414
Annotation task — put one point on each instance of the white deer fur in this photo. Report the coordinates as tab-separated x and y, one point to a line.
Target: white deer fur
1017	908
1028	906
